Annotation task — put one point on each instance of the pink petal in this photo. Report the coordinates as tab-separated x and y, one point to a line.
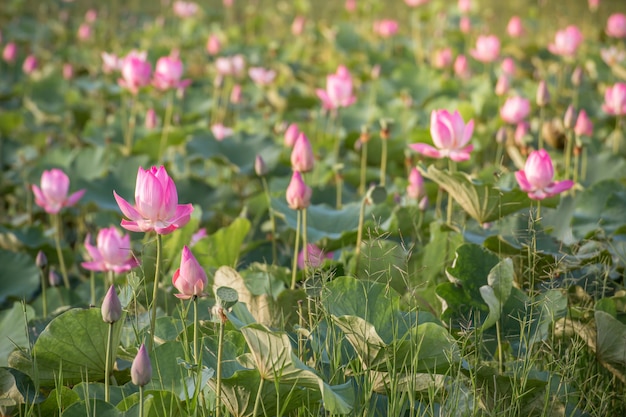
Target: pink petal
460	155
426	150
134	226
73	199
127	209
93	266
520	176
559	186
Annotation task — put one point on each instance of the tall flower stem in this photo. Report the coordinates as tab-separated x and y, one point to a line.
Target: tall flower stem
304	241
452	169
92	288
270	210
568	152
542	118
130	131
141	414
339	187
169	109
363	168
294	268
359	234
155	289
56	219
617	135
220	342
257	400
383	162
44	296
107	364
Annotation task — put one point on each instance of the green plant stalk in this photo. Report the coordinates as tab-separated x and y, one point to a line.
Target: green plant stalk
339	187
257	400
452	169
56	219
141	413
542	118
92	288
568	153
130	131
616	135
218	385
363	171
155	289
500	350
305	249
294	268
167	121
583	165
107	364
359	235
44	294
270	210
383	163
195	331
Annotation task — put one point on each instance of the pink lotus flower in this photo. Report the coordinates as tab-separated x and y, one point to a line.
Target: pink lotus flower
515	109
52	196
487	48
185	9
302	158
297	26
111	306
91	15
465	24
593	5
221	132
213	45
508	66
616	25
450	135
338	91
235	94
415	189
503	85
291	135
233	65
228	3
68	71
198	236
566	41
136	71
111	253
190	279
442	58
584	126
168	73
141	369
110	63
461	67
298	194
615	100
465	6
9	53
386	28
515	27
316	256
415	3
152	120
261	76
30	64
84	32
536	178
350	5
156	204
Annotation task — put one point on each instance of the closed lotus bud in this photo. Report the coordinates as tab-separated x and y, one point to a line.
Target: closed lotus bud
501	135
298	194
141	369
259	166
151	121
41	261
111	307
543	94
423	204
302	157
569	120
577	76
54	279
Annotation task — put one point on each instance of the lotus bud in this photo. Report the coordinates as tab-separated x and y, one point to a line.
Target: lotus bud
259	166
543	94
577	76
68	71
569	120
141	369
501	135
41	260
423	204
302	157
298	194
54	279
152	120
291	135
111	307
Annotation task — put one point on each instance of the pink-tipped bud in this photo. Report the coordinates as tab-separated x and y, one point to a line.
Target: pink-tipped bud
577	76
415	189
41	260
569	120
152	120
9	53
503	85
68	71
111	307
54	279
213	45
291	135
259	166
141	369
584	126
235	94
298	194
543	94
30	64
302	158
297	27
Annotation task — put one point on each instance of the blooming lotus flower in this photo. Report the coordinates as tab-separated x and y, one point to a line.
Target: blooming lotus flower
261	76
415	189
168	73
190	279
338	91
487	48
30	64
111	253
515	27
111	306
442	58
291	135
350	5
450	135
316	256
185	9
221	132
566	41
415	3
615	100
136	71
461	67
298	194
156	204
537	177
141	369
9	53
84	32
616	25
515	109
584	126
213	45
110	62
233	65
386	28
302	157
52	196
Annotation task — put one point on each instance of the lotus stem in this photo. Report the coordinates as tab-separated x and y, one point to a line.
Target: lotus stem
363	168
141	413
304	241
294	268
339	187
617	135
92	288
44	287
107	364
500	350
56	219
359	235
270	210
568	153
542	118
452	169
195	330
167	121
130	131
155	289
257	400
220	342
383	162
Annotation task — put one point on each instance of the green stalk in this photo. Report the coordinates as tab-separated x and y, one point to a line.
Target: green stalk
568	152
195	331
92	288
218	388
363	168
542	118
617	135
257	400
304	241
270	210
130	131
383	163
141	414
56	219
452	169
359	235
294	268
44	296
155	288
339	187
166	125
107	364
